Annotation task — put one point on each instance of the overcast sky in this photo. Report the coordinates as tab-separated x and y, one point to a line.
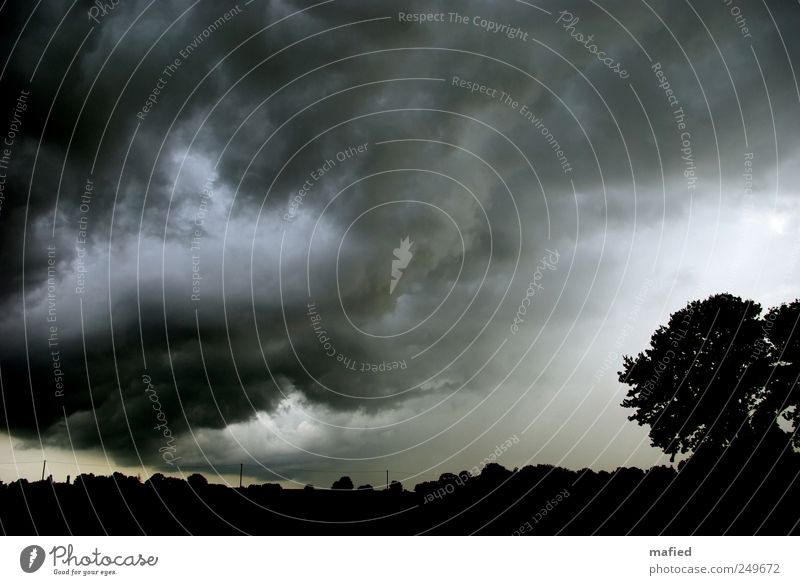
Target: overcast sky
204	202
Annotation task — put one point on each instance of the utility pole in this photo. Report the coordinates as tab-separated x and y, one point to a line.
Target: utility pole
44	464
241	470
387	479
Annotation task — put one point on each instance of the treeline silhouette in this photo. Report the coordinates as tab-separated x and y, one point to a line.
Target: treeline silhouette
717	387
739	494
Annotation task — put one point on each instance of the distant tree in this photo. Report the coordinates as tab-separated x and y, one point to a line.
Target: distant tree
308	488
702	380
459	479
396	487
197	481
448	478
494	473
343	483
155	478
85	479
366	487
426	487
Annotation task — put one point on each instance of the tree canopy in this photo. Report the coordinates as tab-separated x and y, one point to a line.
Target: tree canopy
719	371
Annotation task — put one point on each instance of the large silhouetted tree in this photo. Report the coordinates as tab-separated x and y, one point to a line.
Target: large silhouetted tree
706	377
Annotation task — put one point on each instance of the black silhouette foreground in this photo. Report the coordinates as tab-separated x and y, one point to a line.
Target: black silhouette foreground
717	387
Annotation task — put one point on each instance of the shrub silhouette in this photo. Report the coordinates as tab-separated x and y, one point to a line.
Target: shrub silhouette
343	483
197	481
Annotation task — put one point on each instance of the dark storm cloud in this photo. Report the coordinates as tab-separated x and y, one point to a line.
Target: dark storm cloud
221	359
